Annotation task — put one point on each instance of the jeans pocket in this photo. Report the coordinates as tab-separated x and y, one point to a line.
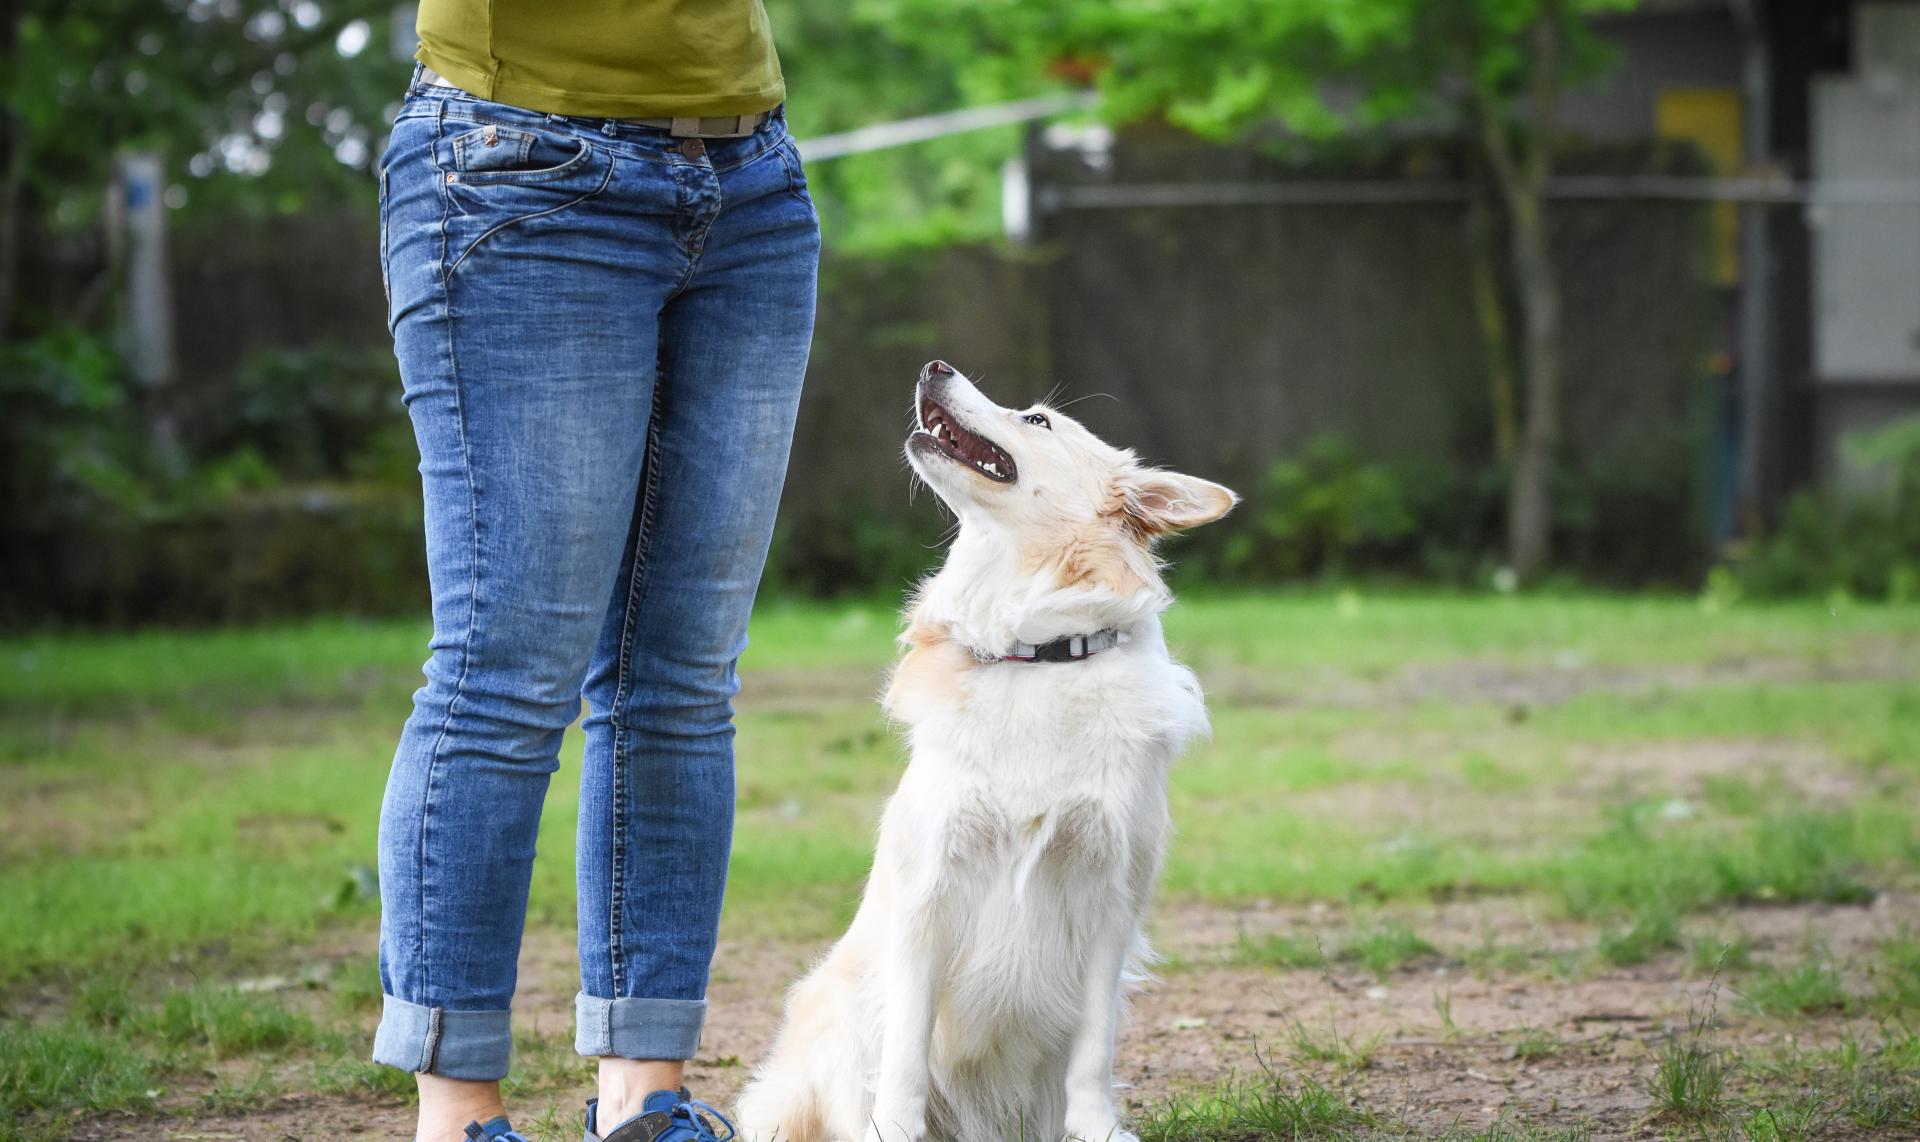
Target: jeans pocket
498	178
492	154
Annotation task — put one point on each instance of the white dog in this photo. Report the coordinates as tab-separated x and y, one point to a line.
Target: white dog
977	994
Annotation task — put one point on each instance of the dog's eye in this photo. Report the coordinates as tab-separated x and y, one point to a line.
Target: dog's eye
1039	419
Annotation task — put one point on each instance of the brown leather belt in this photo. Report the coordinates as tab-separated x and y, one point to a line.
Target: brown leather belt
680	127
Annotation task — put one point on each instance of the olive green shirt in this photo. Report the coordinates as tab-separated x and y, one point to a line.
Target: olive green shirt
627	59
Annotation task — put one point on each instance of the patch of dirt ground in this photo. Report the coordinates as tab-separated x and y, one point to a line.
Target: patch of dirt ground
1483	1028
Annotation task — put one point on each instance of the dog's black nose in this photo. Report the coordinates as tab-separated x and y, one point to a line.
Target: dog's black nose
937	369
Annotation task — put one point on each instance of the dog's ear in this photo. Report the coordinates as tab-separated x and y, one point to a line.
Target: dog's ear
1157	502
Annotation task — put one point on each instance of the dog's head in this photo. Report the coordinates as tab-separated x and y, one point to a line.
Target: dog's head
1042	484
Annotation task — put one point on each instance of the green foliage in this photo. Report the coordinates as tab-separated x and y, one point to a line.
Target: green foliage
1219	66
1320	511
234	83
858	549
854	65
1848	541
73	435
294	491
1330	511
322	414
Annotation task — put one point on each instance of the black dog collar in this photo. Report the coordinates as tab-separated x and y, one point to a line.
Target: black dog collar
1073	648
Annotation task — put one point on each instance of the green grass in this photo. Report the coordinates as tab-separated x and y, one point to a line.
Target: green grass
65	1066
176	807
1380	947
1532	1044
1811	986
1655	929
1331	1045
172	791
1897	973
1714	955
1270	1106
1795	1092
226	1024
1689	1082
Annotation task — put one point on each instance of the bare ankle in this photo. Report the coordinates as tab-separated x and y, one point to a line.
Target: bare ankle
447	1105
626	1083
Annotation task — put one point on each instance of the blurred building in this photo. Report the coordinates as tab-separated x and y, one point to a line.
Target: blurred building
1815	107
1737	303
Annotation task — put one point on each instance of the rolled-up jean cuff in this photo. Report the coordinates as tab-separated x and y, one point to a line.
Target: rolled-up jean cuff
474	1045
637	1028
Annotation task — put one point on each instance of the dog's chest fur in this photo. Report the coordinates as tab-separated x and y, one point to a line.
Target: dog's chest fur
1032	811
1019	757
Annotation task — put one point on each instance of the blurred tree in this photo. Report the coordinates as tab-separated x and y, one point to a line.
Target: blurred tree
265	105
1491	70
853	65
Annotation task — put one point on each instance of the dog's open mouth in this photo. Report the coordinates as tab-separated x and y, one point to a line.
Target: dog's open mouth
939	430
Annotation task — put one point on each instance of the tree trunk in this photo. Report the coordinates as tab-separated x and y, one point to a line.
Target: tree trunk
1491	311
1530	495
1521	159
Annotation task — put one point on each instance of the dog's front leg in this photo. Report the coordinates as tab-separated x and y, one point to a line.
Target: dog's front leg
908	985
1090	1111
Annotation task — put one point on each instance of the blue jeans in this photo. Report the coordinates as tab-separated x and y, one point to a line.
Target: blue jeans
601	332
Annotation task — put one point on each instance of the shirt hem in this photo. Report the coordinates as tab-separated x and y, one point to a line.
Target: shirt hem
549	101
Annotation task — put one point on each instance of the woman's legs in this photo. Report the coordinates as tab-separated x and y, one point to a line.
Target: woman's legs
525	323
657	790
532	311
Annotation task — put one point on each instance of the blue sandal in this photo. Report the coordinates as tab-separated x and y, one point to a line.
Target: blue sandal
493	1130
666	1116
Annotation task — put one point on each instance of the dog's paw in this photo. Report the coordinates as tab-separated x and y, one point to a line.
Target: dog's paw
1100	1132
897	1126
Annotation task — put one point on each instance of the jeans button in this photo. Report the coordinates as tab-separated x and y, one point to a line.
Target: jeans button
693	148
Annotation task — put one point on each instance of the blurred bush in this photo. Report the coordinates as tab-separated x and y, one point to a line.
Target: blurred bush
290	487
292	493
324	413
857	550
1332	513
1854	538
